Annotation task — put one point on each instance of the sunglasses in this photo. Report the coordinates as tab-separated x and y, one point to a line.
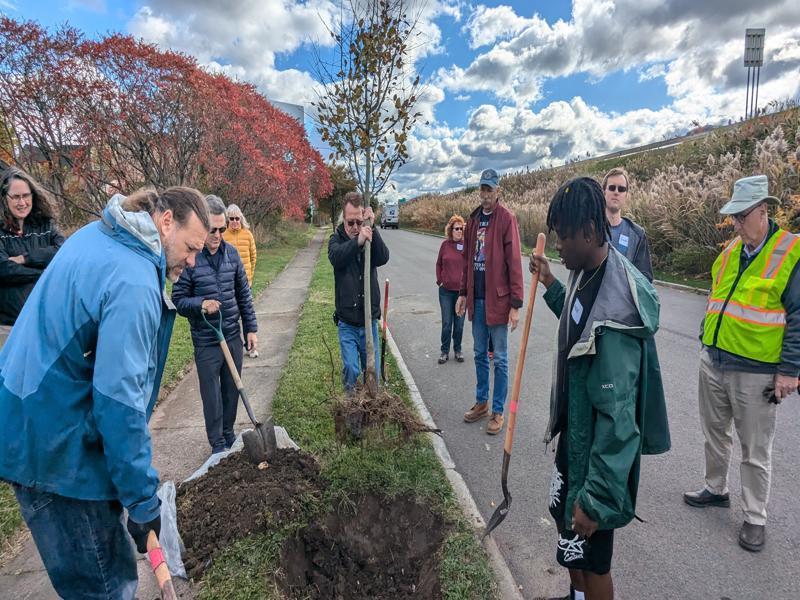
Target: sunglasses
617	188
458	229
352	222
219	230
234	218
742	216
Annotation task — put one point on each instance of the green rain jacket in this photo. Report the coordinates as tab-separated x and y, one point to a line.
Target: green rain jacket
616	409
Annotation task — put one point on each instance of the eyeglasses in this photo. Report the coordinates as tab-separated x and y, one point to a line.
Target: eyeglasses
234	218
219	230
458	229
352	222
742	216
617	188
18	197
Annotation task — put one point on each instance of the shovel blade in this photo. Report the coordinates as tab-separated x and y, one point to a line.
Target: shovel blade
500	513
260	444
267	431
254	447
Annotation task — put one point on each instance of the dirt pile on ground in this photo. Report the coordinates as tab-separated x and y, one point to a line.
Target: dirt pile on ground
355	413
378	549
236	499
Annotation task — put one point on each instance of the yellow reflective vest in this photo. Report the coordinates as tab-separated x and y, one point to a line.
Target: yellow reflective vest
744	314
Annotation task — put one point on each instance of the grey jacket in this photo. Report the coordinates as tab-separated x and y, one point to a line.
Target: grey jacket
638	249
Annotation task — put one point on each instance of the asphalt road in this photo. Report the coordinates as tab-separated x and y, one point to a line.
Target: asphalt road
679	552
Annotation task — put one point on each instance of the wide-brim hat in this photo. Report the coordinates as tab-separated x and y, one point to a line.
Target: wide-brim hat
747	192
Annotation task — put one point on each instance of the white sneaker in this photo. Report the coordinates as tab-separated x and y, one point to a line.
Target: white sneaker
253	353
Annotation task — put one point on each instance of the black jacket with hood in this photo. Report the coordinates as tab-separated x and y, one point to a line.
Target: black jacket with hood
347	258
38	243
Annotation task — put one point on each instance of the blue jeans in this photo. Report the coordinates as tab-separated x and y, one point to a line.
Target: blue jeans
353	347
481	334
452	324
83	543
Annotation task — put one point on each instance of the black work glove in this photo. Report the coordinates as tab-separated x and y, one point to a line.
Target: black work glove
139	532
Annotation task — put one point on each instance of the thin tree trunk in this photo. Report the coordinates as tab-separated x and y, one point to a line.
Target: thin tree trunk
370	376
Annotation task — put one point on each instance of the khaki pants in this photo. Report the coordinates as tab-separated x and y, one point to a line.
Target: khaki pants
735	397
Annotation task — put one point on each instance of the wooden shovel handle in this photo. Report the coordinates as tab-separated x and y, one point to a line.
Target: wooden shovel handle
523	347
226	352
160	568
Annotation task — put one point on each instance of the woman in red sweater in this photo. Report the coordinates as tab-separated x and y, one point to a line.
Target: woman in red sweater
449	267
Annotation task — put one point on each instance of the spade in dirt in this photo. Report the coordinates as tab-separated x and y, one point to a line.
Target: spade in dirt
501	512
260	444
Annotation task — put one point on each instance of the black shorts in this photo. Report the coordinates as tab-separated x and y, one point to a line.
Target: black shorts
574	551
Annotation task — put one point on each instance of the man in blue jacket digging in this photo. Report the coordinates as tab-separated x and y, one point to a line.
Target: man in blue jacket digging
79	377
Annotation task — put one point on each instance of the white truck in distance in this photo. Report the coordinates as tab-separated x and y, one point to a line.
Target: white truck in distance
390	216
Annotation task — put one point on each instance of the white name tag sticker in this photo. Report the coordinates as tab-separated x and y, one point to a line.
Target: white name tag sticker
623	240
577	311
460	247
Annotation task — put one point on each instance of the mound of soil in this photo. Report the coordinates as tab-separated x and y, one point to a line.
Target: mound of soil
380	549
235	499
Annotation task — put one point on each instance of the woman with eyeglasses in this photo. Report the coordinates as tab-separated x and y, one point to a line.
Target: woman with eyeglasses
29	240
240	237
449	267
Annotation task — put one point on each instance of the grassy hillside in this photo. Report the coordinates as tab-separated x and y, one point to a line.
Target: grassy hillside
676	192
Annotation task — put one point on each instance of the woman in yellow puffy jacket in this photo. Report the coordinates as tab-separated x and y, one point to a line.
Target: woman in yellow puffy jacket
239	236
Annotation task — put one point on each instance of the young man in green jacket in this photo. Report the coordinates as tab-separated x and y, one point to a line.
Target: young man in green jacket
607	401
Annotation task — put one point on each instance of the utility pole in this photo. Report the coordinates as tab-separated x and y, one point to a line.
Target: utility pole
753	61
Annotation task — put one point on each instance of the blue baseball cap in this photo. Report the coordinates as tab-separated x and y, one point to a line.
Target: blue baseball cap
489	177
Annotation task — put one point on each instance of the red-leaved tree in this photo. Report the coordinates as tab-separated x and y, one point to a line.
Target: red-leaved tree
90	118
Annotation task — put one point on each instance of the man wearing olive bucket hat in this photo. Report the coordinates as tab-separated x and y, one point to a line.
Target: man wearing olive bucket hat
751	353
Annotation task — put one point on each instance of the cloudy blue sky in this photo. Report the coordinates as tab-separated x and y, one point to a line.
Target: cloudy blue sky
509	84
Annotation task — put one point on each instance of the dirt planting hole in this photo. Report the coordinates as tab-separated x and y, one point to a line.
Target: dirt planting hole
236	499
379	548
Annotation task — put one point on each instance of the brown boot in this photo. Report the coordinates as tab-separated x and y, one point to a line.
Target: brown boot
477	412
495	424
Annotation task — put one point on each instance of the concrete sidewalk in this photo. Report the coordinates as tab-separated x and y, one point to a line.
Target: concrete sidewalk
177	427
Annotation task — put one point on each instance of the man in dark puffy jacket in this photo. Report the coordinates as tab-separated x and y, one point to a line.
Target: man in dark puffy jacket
217	282
346	253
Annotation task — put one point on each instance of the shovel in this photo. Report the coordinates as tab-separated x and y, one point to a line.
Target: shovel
259	444
501	512
159	566
383	329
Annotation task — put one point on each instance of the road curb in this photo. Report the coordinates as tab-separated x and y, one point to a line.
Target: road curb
509	590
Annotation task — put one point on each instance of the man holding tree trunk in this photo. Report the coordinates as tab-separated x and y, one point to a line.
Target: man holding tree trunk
346	253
